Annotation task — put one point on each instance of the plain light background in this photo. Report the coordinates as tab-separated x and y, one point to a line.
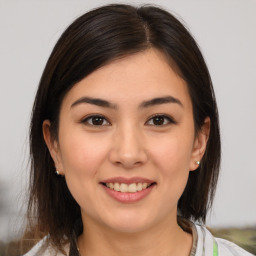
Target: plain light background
225	32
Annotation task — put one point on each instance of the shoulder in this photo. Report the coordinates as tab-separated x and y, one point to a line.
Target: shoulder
207	243
41	248
229	248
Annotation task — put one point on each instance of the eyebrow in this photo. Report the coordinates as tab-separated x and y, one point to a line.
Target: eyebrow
94	101
159	101
144	104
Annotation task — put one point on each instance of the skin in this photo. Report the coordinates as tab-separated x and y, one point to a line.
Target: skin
128	143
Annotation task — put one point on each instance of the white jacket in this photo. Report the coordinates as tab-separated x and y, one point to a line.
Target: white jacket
207	245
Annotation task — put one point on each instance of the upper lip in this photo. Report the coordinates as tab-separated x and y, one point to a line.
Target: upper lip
127	180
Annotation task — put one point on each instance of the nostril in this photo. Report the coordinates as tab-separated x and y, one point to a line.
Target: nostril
127	159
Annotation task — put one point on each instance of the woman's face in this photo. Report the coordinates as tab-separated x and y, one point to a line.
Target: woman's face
127	126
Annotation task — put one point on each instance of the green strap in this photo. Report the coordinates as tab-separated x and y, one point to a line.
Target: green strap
215	248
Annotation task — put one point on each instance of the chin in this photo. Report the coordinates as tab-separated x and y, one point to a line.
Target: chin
129	223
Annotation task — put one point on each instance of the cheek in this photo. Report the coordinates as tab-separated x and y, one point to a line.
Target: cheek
82	154
82	157
172	160
173	154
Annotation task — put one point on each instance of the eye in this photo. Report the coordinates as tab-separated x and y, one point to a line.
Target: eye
96	120
160	120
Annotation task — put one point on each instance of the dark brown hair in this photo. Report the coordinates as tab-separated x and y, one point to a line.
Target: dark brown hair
93	40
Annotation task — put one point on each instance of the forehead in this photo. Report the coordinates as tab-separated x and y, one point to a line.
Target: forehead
133	78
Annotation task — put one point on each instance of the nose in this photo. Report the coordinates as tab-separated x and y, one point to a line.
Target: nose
128	149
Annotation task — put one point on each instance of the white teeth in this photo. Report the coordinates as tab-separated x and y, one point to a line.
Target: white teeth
116	187
139	186
131	188
123	187
144	185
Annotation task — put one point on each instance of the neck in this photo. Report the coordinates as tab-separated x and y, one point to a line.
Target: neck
158	240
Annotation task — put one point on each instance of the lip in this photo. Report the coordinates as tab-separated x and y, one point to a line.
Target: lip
127	180
128	197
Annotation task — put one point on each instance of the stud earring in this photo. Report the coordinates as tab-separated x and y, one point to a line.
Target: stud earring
57	172
197	162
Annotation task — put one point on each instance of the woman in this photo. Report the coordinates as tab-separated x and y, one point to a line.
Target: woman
125	144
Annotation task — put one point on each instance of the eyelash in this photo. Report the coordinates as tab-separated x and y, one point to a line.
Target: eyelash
167	120
90	117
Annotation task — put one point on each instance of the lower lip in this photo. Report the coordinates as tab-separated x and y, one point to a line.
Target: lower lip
126	197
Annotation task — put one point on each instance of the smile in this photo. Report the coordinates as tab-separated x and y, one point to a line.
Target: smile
128	190
131	188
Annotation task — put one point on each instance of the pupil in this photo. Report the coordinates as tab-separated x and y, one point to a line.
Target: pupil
159	120
97	120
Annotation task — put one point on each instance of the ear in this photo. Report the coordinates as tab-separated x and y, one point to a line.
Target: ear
53	146
200	144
